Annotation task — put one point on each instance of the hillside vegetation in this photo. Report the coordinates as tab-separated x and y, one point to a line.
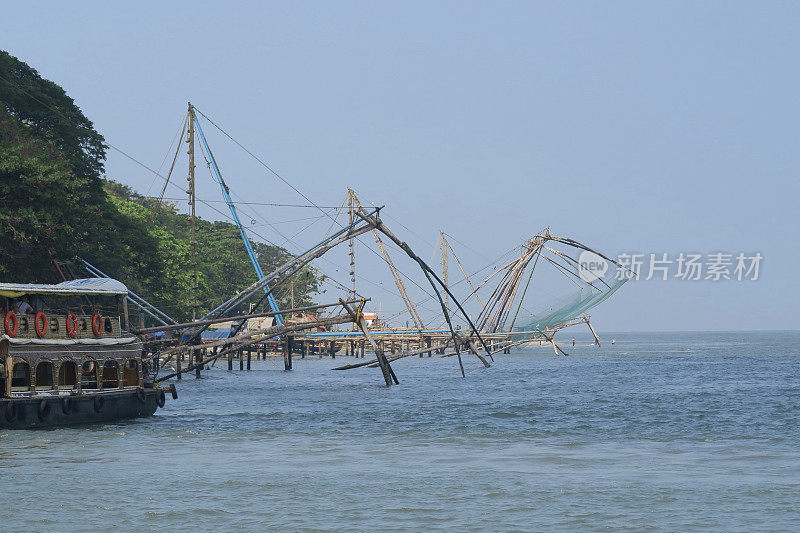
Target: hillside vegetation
57	204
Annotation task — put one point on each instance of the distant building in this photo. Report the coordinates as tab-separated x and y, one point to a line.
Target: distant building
372	320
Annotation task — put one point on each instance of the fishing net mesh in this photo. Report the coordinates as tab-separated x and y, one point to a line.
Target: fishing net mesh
561	311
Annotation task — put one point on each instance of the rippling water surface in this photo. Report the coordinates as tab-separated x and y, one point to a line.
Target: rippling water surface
660	431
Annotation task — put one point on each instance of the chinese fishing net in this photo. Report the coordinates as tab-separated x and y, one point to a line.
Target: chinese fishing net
561	311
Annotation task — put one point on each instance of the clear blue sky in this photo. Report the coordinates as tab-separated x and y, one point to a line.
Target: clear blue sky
632	126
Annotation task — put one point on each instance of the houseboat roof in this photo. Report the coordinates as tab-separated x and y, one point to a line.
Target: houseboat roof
105	286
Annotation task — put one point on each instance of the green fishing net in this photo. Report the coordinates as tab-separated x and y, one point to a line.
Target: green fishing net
560	311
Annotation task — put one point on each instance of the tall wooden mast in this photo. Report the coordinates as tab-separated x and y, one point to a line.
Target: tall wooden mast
195	302
192	224
351	244
444	249
401	288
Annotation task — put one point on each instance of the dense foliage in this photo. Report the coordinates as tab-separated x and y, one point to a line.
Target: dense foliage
56	206
155	252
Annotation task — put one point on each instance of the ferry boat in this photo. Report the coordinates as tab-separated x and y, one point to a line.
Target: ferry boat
67	358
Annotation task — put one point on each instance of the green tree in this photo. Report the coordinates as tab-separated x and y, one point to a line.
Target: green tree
52	116
50	163
56	205
48	211
163	272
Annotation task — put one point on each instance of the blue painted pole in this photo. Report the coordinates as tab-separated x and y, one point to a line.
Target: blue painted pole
273	305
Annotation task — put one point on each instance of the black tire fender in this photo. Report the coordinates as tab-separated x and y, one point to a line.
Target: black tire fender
140	395
44	410
162	398
99	403
12	411
66	405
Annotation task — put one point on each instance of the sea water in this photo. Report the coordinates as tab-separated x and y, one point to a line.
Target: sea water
674	431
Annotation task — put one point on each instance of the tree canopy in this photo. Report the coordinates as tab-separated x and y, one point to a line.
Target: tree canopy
57	205
51	116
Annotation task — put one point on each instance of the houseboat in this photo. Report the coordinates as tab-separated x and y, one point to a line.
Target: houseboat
66	356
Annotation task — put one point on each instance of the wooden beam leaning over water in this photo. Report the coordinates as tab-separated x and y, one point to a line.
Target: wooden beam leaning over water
178	349
372	362
556	347
265	333
386	369
596	338
438	346
502	346
260	336
237	317
430	275
285	271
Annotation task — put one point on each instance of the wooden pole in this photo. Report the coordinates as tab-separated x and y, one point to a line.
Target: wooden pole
390	359
287	353
194	303
377	224
386	369
596	338
125	313
556	347
267	333
196	323
8	363
285	271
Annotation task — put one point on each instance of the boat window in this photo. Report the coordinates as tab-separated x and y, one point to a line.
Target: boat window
44	375
110	375
68	375
131	373
21	377
89	375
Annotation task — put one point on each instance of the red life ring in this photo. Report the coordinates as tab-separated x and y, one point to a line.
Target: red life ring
90	371
72	319
40	318
11	332
97	324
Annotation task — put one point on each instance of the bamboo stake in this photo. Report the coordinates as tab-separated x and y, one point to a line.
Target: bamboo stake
386	369
596	338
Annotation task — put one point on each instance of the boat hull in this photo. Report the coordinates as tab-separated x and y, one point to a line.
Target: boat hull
28	413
